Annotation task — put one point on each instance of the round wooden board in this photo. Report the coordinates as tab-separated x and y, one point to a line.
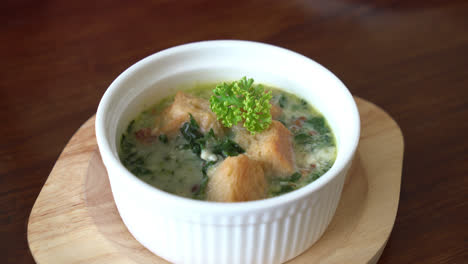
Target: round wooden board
75	220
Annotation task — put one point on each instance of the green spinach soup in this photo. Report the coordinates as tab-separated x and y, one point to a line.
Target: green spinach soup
229	142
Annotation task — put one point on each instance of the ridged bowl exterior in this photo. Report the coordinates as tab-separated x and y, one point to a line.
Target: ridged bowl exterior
183	230
271	236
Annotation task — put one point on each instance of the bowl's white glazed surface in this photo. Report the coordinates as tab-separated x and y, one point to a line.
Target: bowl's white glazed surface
189	231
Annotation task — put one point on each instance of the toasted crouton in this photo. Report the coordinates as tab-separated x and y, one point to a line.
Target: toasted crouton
236	179
177	114
273	147
275	111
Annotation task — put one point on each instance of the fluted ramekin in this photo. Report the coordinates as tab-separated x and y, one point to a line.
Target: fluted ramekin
183	230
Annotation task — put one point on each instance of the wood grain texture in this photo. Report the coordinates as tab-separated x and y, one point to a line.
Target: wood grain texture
409	57
75	220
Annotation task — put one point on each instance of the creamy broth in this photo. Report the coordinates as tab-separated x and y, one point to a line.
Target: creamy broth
177	166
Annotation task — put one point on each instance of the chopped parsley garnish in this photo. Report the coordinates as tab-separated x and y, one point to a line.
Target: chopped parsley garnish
241	101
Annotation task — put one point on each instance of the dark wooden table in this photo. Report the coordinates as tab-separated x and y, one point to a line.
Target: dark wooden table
409	57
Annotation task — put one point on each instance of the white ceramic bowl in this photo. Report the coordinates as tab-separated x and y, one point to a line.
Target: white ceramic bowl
183	230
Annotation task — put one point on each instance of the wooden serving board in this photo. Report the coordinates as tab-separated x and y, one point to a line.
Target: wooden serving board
75	220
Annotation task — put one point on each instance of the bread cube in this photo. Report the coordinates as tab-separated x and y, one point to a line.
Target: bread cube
273	147
177	114
236	179
275	111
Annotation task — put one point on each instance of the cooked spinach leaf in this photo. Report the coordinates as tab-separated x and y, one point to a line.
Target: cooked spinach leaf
126	145
326	140
319	124
130	158
227	148
295	177
282	101
135	163
206	165
163	138
191	132
140	170
288	184
197	141
313	139
210	134
303	138
314	176
130	126
282	189
193	122
199	190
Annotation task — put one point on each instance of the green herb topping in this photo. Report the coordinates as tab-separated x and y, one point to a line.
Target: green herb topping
242	101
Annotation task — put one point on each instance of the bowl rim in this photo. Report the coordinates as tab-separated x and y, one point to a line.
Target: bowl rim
209	206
